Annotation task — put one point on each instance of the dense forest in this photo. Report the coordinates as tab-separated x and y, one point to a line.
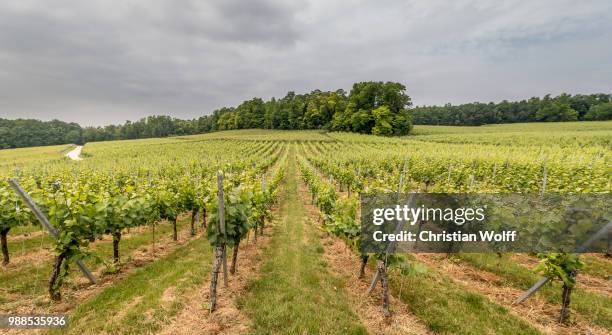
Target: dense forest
370	108
564	107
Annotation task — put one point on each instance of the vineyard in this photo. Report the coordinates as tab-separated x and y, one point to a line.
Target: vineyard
253	231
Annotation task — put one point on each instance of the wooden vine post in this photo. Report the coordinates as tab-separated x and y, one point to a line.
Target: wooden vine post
544	179
364	257
263	190
194	218
219	254
153	222
381	265
494	171
401	180
471	184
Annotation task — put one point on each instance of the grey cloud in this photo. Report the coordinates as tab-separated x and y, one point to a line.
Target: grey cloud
97	62
261	22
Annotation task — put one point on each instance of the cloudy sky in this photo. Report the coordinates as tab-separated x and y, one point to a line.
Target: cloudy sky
100	62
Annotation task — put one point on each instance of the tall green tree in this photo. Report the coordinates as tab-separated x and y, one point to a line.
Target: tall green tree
364	98
600	112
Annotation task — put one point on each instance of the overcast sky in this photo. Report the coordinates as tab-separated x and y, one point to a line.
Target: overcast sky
100	62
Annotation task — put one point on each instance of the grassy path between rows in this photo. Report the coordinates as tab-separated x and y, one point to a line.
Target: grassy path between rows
28	282
148	298
296	293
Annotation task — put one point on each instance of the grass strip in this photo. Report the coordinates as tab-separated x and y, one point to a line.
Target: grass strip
145	300
296	293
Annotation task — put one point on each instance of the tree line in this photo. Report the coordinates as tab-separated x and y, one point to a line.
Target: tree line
28	133
379	108
564	107
371	108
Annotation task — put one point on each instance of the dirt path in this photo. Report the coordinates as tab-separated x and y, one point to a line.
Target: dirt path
75	154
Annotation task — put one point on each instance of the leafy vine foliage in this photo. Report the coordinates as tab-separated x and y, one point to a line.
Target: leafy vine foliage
12	215
246	206
563	267
86	204
434	168
237	212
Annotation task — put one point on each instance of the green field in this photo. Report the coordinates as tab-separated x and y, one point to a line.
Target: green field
300	276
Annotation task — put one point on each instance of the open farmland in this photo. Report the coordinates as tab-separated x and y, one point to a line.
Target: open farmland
144	216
